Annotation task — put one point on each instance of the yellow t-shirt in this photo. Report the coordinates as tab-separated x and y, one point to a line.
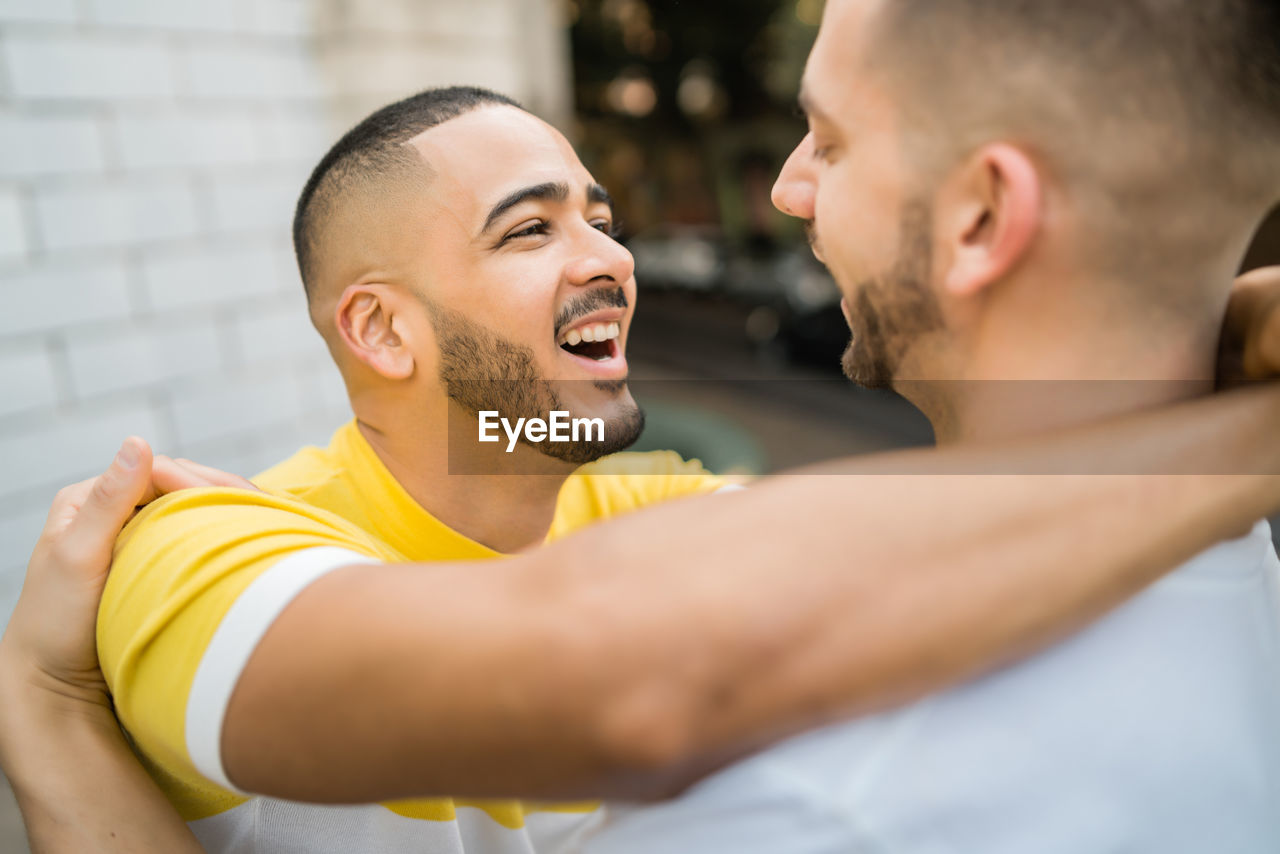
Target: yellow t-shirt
199	576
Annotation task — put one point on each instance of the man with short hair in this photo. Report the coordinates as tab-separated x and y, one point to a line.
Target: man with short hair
1014	241
334	640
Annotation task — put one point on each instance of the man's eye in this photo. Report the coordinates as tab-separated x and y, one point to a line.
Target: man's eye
531	230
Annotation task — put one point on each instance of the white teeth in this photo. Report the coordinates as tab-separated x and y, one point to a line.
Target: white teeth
593	332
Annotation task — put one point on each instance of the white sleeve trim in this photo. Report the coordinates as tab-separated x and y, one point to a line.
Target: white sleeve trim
242	627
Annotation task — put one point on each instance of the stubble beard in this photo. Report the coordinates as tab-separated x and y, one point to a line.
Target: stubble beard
482	371
891	310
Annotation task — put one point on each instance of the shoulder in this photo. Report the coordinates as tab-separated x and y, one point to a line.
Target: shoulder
620	483
649	473
310	469
196	580
186	558
186	523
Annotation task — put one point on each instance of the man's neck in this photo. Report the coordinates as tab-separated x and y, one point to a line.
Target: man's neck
1033	372
499	509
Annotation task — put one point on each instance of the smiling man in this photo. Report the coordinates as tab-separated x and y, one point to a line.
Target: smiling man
1030	209
350	635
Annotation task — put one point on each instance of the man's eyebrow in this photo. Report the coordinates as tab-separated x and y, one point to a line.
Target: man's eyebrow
807	106
597	194
553	191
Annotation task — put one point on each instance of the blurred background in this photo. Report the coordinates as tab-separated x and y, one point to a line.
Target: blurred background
151	152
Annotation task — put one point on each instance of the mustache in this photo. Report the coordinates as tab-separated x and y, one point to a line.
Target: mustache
811	235
581	306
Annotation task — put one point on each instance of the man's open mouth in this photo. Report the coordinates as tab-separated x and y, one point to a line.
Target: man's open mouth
595	341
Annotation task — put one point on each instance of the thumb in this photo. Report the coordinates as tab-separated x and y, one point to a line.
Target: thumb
112	499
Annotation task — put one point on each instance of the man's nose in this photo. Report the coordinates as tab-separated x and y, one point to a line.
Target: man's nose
793	192
597	255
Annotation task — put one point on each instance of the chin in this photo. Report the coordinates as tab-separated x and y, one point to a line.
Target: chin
622	420
606	399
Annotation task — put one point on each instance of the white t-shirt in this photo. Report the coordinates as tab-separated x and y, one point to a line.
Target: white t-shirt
1157	730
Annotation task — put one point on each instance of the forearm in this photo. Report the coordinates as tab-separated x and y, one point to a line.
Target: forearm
79	787
636	653
899	581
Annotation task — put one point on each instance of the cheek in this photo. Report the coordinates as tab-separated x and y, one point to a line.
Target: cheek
856	220
518	300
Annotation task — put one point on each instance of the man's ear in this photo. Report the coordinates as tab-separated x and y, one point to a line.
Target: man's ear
992	219
367	324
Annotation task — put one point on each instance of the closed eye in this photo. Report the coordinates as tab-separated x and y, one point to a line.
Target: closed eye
541	228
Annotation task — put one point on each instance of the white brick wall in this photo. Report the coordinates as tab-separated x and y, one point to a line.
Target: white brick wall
185	138
150	155
163	14
27	379
59	11
121	212
76	66
49	145
15	241
51	295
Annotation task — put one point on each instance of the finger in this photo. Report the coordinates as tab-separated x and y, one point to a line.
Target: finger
1259	277
112	498
169	475
217	477
172	475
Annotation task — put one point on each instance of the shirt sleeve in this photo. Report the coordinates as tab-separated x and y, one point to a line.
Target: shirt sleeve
197	579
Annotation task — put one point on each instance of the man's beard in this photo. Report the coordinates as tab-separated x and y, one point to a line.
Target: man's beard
483	371
889	311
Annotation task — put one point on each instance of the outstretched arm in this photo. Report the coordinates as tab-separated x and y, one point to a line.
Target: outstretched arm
631	658
646	649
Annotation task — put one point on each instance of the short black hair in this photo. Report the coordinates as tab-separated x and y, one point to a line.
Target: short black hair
370	149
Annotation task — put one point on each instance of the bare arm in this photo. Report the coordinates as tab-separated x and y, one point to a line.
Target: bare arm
603	680
639	653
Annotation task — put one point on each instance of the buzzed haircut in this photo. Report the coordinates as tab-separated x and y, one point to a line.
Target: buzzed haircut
1161	116
369	151
1206	70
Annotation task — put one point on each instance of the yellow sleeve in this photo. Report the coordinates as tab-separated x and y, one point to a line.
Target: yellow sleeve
179	569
